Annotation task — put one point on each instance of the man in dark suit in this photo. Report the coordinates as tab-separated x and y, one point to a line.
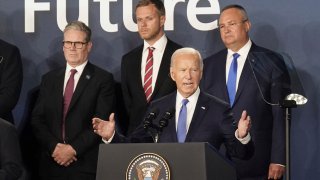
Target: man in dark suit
10	79
261	76
139	90
10	155
204	118
69	98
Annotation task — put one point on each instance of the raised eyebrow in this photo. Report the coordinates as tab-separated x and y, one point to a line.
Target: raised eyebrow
181	69
228	22
146	17
231	22
150	17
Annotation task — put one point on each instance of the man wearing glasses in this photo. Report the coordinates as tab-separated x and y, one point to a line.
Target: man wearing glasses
229	75
69	98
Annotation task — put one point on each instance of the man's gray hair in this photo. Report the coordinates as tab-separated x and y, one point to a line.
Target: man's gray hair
187	50
79	26
240	8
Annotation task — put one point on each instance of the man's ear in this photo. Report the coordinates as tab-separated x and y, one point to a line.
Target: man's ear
248	26
172	74
162	20
89	46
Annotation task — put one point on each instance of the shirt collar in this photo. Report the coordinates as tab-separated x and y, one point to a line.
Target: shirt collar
192	98
158	45
78	68
243	52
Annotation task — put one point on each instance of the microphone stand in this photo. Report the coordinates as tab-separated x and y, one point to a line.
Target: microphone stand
291	101
288	105
154	134
157	129
153	130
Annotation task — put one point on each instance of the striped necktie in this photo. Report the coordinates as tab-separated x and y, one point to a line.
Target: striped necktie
147	83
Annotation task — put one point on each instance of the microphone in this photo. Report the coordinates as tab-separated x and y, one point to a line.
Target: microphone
163	122
149	118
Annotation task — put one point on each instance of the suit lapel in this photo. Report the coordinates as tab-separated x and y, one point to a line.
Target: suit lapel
243	80
136	73
222	73
246	73
58	84
86	76
172	125
199	112
164	68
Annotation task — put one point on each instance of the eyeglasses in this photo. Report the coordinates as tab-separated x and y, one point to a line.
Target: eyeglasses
77	44
231	25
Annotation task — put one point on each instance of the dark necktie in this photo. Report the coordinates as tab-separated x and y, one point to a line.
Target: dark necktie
232	79
68	92
182	122
147	83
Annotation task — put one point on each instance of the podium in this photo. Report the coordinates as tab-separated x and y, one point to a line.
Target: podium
187	161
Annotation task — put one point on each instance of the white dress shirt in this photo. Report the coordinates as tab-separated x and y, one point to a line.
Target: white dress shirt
159	46
76	75
191	106
243	52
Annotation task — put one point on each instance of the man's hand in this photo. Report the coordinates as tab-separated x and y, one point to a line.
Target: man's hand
64	154
244	125
105	129
276	171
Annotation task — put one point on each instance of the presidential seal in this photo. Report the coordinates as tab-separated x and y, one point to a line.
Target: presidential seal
148	166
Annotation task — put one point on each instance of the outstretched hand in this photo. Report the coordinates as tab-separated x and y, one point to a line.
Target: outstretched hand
103	128
244	125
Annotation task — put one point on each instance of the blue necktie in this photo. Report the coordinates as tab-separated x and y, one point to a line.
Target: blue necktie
232	78
182	122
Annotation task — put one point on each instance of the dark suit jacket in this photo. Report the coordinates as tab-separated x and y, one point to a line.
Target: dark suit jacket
131	83
10	79
268	124
10	155
212	122
93	97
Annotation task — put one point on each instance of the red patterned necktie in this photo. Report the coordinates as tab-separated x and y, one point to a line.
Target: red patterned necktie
147	83
68	92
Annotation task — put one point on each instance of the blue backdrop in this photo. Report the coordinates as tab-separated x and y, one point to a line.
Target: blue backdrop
290	26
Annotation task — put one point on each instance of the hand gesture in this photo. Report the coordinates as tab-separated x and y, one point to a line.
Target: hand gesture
244	125
105	129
